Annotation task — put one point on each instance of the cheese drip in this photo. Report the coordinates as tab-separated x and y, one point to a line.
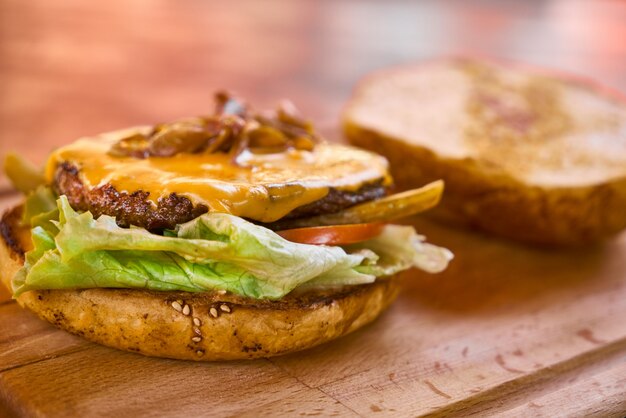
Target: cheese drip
263	187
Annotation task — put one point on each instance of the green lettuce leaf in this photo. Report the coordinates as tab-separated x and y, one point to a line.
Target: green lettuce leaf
396	249
213	251
400	248
40	206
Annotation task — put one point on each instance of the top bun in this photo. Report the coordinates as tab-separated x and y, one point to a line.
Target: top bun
526	154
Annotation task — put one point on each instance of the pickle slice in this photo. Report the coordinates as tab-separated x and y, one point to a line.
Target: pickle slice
392	207
22	173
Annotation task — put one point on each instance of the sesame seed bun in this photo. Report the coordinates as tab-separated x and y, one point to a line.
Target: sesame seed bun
195	326
527	154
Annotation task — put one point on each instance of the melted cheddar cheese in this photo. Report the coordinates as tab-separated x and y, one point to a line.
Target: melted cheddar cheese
263	187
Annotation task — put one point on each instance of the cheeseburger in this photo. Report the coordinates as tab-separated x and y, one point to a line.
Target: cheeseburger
239	234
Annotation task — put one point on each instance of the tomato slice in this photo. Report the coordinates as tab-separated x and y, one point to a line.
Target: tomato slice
333	235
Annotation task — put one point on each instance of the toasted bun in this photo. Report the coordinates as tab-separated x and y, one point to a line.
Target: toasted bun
524	154
195	326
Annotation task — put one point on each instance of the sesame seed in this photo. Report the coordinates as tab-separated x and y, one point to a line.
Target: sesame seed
200	353
221	292
177	306
196	339
186	310
213	312
225	308
197	322
197	331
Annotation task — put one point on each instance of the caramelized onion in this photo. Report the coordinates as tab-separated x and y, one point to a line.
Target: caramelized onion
178	137
135	146
232	129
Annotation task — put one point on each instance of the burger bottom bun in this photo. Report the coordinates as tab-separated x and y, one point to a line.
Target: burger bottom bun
196	326
494	202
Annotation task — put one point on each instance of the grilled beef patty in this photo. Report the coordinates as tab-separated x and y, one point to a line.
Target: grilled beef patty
136	209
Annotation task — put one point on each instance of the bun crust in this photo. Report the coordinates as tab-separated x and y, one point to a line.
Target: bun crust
197	326
565	185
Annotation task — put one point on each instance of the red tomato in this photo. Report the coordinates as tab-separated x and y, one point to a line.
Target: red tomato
333	235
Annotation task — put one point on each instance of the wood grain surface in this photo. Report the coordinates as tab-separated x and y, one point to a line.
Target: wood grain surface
508	330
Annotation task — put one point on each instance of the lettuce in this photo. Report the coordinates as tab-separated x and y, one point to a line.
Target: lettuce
214	251
39	206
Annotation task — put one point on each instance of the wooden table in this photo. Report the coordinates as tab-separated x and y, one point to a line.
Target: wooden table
507	330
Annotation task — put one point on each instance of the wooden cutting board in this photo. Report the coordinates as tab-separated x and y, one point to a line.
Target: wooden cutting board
507	330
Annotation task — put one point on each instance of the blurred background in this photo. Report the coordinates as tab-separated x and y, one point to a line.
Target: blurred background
71	68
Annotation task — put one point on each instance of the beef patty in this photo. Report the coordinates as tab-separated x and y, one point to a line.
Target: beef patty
136	209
